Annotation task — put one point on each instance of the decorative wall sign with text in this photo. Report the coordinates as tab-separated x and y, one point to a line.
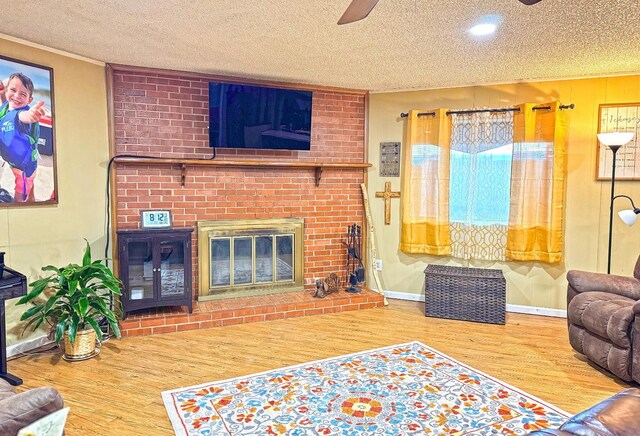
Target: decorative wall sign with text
623	117
389	159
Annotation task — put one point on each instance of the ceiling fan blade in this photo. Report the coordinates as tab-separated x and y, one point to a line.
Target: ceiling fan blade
357	10
529	2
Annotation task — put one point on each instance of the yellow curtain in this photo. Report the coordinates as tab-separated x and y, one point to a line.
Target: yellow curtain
425	184
535	230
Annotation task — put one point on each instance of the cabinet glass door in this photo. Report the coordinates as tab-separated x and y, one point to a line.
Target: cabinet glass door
172	269
140	269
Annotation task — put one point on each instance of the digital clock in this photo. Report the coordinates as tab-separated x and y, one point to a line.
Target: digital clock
155	219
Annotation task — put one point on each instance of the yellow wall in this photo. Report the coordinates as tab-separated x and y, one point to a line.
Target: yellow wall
37	236
587	200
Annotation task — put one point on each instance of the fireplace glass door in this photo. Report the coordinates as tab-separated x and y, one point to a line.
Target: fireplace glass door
264	259
242	261
250	260
284	257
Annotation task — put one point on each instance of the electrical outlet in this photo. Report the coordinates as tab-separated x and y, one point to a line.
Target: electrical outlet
378	264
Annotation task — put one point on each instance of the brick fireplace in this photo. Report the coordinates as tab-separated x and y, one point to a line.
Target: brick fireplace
165	114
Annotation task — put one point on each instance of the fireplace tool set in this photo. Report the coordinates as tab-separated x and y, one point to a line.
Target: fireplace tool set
355	270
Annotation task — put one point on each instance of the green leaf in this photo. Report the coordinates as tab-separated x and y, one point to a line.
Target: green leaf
99	305
38	287
39	323
86	260
51	268
72	285
114	287
33	320
114	328
96	327
110	316
31	312
62	293
50	307
61	326
73	327
83	306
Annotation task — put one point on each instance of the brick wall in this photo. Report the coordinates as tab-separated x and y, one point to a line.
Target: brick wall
167	115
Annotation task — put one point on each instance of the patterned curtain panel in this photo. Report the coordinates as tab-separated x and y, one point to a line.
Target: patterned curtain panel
481	149
425	184
535	230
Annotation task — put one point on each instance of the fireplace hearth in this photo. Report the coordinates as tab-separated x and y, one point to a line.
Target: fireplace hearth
250	257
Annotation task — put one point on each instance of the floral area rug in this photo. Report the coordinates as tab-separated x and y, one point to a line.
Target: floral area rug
404	389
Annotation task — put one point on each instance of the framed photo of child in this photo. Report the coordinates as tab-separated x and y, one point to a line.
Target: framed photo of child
27	134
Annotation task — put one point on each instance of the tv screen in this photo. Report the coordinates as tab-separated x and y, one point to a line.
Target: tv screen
250	116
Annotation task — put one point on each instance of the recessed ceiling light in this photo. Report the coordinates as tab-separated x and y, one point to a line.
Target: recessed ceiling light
483	29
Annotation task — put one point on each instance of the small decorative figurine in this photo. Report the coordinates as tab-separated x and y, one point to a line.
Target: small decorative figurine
330	285
319	289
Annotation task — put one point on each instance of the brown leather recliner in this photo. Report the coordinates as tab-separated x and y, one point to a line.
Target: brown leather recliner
601	315
19	410
615	416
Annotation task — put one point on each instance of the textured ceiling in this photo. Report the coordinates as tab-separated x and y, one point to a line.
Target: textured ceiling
403	44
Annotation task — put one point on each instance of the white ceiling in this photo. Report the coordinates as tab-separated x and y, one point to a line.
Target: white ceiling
403	44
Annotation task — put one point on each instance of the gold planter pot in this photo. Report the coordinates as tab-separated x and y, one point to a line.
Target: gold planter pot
84	347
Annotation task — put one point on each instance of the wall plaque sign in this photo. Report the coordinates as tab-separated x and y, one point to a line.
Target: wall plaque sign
389	159
623	117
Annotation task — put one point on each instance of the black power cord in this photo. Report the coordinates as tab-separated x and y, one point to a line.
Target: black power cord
106	335
108	190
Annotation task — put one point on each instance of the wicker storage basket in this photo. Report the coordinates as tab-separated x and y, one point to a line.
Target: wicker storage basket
469	294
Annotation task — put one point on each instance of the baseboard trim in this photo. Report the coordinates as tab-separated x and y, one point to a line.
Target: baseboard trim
514	308
404	296
21	348
544	311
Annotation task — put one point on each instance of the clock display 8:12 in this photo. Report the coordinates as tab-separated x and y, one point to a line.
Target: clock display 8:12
156	219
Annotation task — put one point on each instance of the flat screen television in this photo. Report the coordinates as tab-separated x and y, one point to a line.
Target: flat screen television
259	117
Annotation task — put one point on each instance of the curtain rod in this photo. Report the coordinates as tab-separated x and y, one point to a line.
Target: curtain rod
473	111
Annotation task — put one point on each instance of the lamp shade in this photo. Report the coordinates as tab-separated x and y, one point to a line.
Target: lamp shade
615	138
629	216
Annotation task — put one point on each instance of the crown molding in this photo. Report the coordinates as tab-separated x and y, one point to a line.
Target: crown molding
51	50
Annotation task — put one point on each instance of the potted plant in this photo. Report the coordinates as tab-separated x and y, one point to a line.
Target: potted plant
82	296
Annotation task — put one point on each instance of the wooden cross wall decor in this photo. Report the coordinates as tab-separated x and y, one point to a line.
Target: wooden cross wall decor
387	195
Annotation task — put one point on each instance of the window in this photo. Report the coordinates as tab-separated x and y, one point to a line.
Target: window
485	185
480	186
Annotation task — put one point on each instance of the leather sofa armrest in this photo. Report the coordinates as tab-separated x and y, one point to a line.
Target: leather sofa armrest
20	410
617	415
583	281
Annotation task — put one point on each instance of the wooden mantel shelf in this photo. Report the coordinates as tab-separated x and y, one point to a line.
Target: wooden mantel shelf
318	166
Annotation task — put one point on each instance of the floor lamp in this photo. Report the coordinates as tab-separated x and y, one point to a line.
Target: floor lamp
629	216
613	141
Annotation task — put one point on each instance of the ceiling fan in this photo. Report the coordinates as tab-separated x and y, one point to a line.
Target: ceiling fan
359	9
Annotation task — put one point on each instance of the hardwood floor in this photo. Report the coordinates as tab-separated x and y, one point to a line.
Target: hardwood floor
118	392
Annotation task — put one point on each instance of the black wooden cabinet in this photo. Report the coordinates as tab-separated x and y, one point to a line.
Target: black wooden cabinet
155	268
